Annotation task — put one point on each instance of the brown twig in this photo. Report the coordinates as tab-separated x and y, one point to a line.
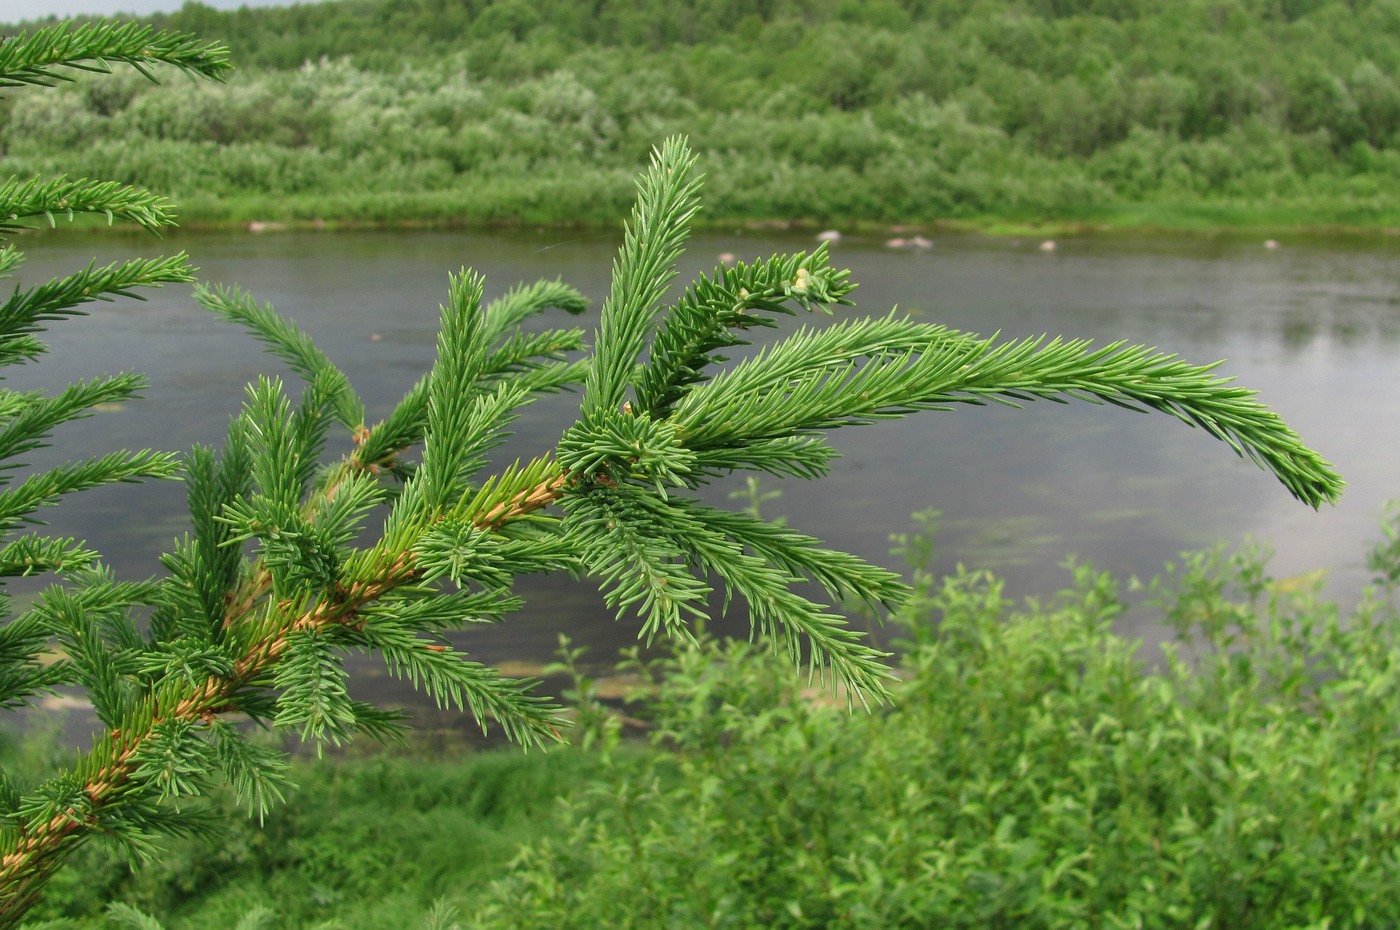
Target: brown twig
528	501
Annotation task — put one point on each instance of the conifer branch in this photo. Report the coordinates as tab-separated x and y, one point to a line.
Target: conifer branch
429	611
10	259
667	198
863	372
119	758
523	301
35	555
15	350
28	428
780	615
531	355
19	503
842	575
258	775
25	639
35	58
379	446
61	297
54	197
713	312
285	340
637	558
450	680
538	494
807	457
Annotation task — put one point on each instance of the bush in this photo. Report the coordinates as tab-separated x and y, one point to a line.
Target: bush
1037	771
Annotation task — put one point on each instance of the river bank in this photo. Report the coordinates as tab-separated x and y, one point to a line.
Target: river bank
261	216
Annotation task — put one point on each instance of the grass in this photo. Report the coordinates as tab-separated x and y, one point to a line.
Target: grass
368	841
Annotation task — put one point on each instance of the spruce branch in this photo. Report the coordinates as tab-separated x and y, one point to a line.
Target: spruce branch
430	611
621	447
523	301
10	258
712	313
285	340
15	350
280	457
55	197
533	363
28	429
478	426
281	575
515	492
637	558
35	58
667	199
18	504
106	793
842	575
379	446
33	555
174	760
462	554
258	775
26	667
312	682
451	680
61	297
783	456
649	550
783	617
465	415
863	372
531	354
207	566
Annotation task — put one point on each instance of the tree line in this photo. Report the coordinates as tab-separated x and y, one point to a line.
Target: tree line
911	111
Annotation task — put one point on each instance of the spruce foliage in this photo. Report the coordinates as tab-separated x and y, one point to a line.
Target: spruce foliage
288	565
82	631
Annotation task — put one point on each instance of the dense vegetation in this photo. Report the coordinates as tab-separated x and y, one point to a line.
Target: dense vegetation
832	111
1037	771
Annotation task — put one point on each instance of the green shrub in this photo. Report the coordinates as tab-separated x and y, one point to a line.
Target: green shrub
1038	770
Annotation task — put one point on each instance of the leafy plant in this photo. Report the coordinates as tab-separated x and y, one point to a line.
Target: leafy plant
1037	771
282	574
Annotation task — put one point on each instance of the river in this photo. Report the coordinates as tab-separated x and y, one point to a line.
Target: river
1313	324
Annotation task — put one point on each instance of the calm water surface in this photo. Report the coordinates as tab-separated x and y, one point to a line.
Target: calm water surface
1314	325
